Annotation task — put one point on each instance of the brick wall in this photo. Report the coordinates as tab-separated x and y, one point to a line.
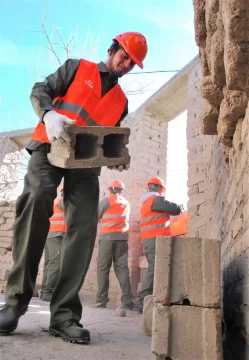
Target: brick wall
219	208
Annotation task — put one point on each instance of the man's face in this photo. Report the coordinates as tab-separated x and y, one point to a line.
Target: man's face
120	63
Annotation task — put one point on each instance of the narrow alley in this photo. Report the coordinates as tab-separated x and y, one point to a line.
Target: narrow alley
113	338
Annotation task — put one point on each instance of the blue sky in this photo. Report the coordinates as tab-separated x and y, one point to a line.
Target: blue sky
167	25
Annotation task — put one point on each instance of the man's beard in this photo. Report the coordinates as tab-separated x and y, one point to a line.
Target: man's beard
117	74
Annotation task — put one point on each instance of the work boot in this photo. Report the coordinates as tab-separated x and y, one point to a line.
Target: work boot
99	305
70	330
46	297
9	317
138	308
128	306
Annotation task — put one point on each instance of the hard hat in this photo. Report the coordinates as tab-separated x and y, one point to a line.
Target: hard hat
157	181
116	184
134	44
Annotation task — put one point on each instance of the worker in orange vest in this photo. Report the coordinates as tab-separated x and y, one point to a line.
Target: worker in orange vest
81	93
114	212
154	221
52	251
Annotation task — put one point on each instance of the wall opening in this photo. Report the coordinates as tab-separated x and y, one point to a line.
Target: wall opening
177	165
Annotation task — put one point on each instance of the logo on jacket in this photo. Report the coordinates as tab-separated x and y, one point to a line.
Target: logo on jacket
89	83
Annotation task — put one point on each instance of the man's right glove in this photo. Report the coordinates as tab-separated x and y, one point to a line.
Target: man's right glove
119	167
182	207
54	123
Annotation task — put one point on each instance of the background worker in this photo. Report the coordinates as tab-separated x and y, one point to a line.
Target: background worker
80	93
154	221
52	250
114	212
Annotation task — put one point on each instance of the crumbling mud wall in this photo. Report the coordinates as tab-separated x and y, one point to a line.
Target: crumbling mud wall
222	34
218	208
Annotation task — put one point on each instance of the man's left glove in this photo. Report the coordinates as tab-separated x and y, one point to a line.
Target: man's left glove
119	167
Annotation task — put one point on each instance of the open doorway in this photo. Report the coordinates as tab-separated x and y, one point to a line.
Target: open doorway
177	165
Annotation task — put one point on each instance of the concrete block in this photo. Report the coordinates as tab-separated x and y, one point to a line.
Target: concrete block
147	315
187	271
186	332
91	146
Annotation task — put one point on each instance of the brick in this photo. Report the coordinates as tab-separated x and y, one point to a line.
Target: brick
187	270
197	199
7	226
192	180
186	332
6	234
4	209
91	146
8	214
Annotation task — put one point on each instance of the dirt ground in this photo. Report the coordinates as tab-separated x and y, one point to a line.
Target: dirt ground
113	338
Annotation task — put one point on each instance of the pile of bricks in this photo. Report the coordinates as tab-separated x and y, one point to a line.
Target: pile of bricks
187	319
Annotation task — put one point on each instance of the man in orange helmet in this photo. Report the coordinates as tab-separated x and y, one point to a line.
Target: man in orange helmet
114	212
154	221
83	93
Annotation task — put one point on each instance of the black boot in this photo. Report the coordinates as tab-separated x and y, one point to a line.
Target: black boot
46	297
70	330
138	308
128	306
9	316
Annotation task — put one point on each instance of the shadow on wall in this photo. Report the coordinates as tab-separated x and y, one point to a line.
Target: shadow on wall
235	309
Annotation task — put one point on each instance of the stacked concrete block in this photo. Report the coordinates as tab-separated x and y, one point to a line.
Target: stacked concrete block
143	267
91	146
147	315
187	319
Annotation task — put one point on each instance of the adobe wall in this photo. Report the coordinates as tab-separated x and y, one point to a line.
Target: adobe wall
218	207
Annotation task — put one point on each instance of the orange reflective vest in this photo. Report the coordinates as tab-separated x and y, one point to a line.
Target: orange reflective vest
57	221
83	101
153	223
178	224
116	218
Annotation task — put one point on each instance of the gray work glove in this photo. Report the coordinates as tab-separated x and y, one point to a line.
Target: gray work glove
54	123
182	207
119	167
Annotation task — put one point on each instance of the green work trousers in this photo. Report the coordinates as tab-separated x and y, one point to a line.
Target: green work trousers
116	252
51	270
149	249
33	209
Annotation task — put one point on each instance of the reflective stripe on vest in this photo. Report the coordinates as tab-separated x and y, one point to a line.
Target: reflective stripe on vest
116	218
83	101
57	221
153	223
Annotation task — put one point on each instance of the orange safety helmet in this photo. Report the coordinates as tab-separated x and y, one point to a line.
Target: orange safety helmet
134	44
116	184
157	181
